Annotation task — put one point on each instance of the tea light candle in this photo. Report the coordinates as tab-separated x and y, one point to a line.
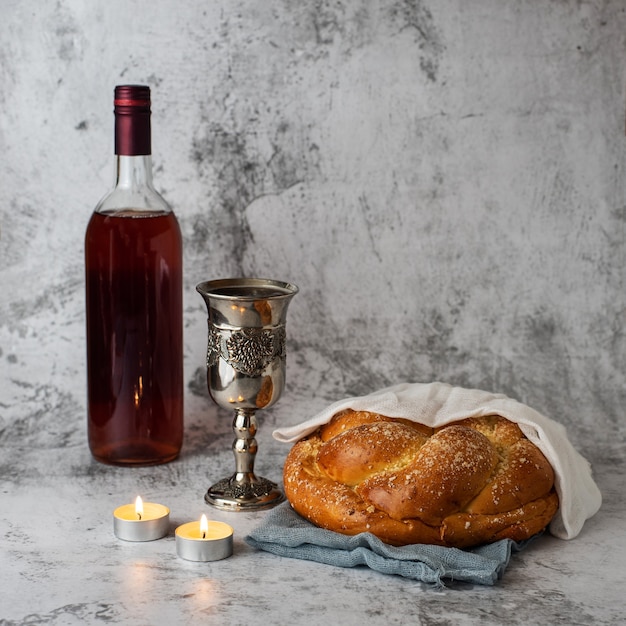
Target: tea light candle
142	521
204	540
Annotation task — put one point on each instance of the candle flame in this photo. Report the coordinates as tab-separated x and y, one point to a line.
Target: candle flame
139	507
204	526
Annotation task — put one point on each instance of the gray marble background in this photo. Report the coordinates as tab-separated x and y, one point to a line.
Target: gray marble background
443	179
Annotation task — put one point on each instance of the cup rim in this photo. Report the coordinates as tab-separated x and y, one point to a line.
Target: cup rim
211	288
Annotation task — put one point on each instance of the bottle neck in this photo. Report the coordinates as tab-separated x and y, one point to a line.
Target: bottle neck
134	172
133	145
134	191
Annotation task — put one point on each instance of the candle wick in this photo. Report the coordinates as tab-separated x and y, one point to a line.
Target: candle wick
139	516
204	534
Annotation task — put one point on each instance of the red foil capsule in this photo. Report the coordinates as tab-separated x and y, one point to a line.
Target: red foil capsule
132	120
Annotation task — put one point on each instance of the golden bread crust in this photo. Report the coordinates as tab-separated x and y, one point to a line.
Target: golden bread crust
464	484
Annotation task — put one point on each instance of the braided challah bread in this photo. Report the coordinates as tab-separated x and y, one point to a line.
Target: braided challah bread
468	483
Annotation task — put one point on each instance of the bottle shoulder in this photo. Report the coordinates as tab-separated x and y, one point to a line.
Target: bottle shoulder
146	199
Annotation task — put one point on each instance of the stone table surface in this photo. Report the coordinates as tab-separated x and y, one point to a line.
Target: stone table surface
62	564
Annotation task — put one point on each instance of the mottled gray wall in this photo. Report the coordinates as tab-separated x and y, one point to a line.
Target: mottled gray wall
444	180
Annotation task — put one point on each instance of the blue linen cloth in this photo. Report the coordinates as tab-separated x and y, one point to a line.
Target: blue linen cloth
285	533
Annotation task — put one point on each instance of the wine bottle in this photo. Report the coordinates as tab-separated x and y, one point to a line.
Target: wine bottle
133	261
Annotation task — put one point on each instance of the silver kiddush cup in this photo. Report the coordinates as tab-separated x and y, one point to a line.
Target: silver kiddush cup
246	360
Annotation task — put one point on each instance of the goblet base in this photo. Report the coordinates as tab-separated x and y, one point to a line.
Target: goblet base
231	494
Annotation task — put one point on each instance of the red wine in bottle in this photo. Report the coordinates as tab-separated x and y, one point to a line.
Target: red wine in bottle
133	261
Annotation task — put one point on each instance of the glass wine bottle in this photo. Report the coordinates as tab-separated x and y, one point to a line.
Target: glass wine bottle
133	261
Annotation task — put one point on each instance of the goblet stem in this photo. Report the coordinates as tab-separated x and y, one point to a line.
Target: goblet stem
244	446
244	491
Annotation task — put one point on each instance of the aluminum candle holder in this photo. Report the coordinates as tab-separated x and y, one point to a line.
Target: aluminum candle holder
245	372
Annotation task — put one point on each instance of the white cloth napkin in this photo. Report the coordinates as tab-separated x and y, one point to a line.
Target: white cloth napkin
436	404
